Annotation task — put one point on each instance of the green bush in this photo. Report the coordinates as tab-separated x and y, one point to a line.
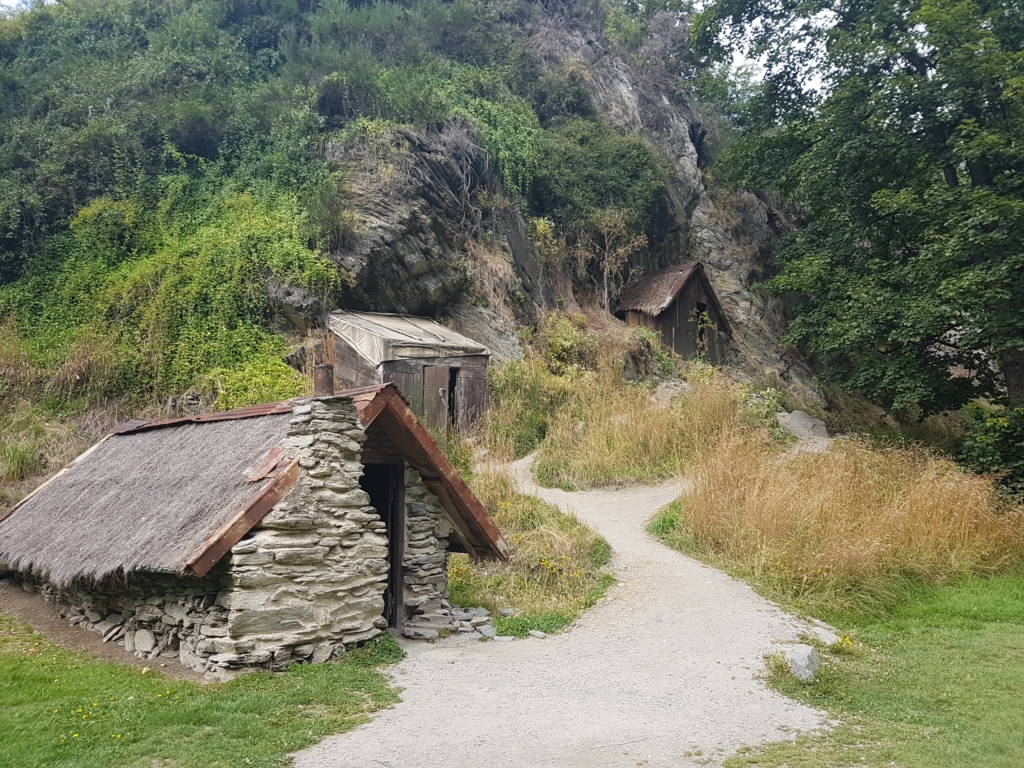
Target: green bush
162	319
583	167
994	444
563	341
262	379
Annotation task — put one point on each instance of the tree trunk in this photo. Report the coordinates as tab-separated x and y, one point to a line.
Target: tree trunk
1011	364
606	283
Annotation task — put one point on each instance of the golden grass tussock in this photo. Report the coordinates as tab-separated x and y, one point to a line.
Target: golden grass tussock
555	563
855	517
617	432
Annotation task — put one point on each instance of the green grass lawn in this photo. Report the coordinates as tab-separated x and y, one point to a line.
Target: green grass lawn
61	708
938	682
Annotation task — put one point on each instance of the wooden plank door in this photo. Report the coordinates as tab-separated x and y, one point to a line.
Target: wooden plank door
411	387
435	396
470	396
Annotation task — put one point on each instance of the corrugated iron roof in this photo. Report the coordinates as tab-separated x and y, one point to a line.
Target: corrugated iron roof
140	499
655	292
380	337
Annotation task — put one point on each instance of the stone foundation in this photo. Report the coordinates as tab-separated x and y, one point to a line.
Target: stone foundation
152	615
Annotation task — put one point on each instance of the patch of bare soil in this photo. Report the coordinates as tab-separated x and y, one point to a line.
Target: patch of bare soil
33	610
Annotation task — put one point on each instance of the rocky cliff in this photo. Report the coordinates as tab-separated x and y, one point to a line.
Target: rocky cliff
432	231
734	235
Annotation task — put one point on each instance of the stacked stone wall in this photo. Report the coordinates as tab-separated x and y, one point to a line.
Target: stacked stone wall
150	615
425	562
309	579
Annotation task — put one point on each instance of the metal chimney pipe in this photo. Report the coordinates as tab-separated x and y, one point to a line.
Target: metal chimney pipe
323	380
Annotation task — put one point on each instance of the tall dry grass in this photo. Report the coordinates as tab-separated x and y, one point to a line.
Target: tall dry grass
853	523
613	432
555	562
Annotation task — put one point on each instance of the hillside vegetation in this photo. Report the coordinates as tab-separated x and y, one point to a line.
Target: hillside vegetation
163	164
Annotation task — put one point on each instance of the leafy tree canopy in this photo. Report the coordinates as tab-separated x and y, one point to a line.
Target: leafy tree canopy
893	128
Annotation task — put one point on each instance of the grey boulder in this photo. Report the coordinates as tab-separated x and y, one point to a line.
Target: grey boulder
803	661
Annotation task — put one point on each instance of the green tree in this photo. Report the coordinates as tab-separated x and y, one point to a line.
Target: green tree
893	129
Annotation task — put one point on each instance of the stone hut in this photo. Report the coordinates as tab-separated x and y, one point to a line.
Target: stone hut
254	537
442	373
680	304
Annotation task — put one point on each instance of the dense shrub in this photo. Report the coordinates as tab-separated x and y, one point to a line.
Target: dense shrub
994	444
584	167
159	319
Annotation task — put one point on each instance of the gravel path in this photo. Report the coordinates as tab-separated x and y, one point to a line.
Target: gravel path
660	673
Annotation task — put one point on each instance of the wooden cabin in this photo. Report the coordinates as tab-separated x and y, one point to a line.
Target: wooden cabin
441	373
680	304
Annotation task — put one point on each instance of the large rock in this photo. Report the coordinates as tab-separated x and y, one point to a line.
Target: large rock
413	197
144	641
803	661
812	432
802	425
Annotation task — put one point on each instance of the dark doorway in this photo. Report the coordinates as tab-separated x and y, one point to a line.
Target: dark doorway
385	485
702	341
453	383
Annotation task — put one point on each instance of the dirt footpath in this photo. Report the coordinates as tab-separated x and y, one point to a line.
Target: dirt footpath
661	673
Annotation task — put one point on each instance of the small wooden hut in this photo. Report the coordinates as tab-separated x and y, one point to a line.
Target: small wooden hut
680	304
442	374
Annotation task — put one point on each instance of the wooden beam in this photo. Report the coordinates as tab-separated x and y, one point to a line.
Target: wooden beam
255	509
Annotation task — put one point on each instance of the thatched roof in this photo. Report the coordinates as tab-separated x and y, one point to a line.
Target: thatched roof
174	496
656	291
146	500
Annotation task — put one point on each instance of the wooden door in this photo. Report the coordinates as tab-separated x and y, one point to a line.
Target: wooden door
385	485
435	396
411	387
470	396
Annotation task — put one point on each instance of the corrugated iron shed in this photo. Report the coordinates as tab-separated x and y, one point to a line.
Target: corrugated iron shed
381	337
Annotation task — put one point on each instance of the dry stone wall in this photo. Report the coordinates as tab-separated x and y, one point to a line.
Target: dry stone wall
149	615
425	562
309	579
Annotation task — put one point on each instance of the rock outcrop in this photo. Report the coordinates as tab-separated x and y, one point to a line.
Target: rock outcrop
417	207
414	200
734	235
